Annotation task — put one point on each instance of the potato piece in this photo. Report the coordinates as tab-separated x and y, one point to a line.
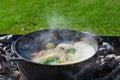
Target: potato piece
49	46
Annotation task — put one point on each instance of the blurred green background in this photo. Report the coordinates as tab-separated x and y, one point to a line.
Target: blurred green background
101	17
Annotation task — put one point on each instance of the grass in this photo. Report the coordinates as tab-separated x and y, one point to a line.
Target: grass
101	17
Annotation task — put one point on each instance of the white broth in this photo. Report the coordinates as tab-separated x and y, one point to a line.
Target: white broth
64	53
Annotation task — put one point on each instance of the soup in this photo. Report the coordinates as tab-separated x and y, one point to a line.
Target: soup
63	53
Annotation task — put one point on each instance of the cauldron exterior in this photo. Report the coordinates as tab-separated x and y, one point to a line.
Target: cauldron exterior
35	41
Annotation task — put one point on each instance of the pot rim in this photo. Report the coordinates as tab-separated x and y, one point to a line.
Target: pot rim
13	47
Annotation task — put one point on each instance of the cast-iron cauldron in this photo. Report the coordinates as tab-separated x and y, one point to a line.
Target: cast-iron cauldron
35	41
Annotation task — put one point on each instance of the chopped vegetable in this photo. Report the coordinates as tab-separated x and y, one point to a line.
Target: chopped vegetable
50	46
51	60
70	51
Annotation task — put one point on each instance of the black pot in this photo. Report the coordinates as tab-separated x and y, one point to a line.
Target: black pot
35	41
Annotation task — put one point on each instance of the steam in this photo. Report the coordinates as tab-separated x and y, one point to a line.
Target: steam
89	30
55	20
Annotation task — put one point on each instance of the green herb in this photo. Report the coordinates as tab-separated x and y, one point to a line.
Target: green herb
51	60
70	51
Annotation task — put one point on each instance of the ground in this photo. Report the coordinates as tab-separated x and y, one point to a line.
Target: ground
100	17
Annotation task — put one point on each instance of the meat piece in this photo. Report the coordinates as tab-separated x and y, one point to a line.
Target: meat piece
44	57
49	56
63	46
63	58
39	54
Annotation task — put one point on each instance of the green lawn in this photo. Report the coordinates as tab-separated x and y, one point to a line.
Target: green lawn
101	17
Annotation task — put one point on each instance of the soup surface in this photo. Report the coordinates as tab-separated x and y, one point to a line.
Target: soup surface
63	53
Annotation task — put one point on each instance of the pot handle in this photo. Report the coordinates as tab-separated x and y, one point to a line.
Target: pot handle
99	39
12	56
